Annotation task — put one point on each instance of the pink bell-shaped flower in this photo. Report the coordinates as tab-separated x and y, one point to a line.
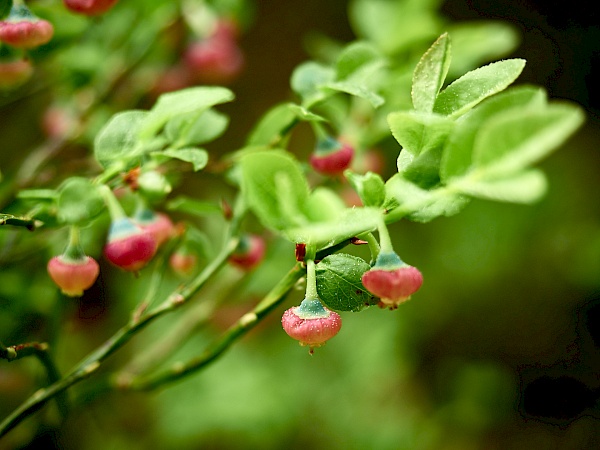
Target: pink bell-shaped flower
311	323
392	280
89	7
158	224
128	246
22	29
249	253
331	157
73	276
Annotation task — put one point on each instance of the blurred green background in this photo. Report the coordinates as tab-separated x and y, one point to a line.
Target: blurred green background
498	350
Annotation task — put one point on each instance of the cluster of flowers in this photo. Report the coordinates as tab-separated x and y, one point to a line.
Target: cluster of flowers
131	244
390	279
23	30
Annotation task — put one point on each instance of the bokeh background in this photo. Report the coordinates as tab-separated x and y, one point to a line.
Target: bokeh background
499	350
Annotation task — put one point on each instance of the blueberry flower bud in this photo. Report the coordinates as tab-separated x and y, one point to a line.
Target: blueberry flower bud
89	7
14	73
183	262
331	157
129	246
217	59
73	276
249	253
159	225
392	280
311	323
22	29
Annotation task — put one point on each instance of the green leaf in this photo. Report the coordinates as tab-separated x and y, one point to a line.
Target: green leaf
272	126
358	90
475	43
184	130
307	80
418	132
277	122
194	207
523	187
355	58
423	137
304	114
79	201
473	87
185	101
117	141
323	204
339	283
5	7
197	156
430	73
315	82
264	173
350	223
406	199
370	187
457	157
514	140
394	25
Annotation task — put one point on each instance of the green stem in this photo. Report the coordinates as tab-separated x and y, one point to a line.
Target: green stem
218	347
373	245
93	361
74	251
320	132
311	280
384	238
8	219
40	351
115	209
190	322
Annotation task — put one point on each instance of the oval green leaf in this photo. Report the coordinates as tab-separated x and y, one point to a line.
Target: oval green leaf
339	283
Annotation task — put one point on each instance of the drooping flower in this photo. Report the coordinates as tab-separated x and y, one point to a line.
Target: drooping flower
73	271
216	59
249	253
73	276
158	224
331	157
89	7
311	323
128	246
14	73
22	29
392	280
183	262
